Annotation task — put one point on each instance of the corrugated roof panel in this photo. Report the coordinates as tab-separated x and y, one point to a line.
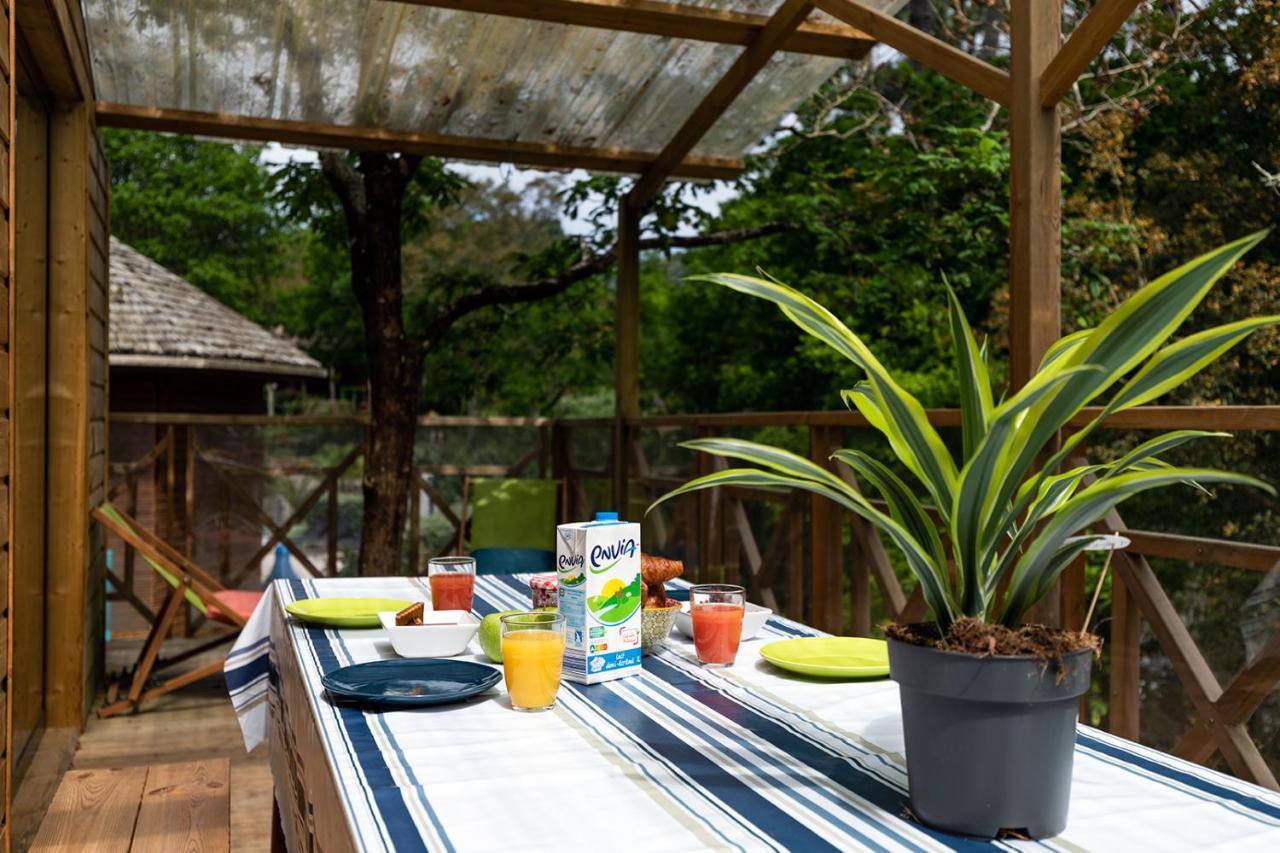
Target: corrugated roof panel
413	68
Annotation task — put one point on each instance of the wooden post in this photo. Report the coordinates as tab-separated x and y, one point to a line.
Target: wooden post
1035	189
415	523
827	588
795	561
1035	209
331	529
224	533
626	355
562	469
860	578
1125	648
189	503
170	484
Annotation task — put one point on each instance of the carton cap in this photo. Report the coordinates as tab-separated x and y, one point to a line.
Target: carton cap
606	516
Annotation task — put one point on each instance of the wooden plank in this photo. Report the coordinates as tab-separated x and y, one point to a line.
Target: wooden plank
1141	417
353	421
722	26
1035	190
1124	705
68	580
540	154
826	522
969	71
1196	549
93	811
1083	46
185	807
781	24
1192	669
1249	689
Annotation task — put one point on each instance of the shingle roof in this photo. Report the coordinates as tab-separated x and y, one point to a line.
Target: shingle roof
159	319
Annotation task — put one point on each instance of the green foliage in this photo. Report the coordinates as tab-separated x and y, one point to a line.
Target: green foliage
204	211
1010	520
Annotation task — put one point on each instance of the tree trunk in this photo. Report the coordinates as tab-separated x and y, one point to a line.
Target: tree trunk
372	197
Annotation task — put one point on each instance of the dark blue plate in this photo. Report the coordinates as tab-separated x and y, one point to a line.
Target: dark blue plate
678	593
410	683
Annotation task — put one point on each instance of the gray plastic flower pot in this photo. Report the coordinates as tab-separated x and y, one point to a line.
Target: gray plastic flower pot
989	740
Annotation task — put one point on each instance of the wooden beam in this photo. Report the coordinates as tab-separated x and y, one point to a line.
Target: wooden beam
626	350
545	155
744	69
721	26
981	77
1083	46
1035	189
1196	549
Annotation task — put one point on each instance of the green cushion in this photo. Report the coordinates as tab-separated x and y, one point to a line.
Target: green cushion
513	514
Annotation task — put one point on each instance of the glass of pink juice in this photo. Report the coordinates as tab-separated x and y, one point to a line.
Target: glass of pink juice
716	610
452	580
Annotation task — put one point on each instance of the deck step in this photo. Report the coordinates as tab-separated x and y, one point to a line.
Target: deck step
164	807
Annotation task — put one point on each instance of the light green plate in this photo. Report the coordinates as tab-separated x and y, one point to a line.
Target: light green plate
344	612
830	657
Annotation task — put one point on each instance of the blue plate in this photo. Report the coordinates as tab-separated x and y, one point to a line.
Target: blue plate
410	683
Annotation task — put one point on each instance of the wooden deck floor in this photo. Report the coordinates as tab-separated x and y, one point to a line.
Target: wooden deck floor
194	723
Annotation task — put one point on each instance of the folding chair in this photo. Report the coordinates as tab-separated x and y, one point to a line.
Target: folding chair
512	524
188	582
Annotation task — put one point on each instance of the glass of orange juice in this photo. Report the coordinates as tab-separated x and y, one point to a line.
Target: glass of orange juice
452	579
532	656
716	610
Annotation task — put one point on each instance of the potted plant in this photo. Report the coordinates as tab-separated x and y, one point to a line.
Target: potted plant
989	704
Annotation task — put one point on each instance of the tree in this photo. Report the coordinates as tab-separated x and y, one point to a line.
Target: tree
384	199
203	210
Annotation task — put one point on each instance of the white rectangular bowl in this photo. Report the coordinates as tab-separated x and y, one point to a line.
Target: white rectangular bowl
445	633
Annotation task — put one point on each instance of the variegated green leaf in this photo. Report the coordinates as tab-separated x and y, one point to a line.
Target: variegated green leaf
1127	336
1091	504
910	434
981	477
1160	444
933	578
1179	361
1064	345
774	458
971	370
904	507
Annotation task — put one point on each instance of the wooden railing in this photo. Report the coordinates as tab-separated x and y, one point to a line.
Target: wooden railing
794	553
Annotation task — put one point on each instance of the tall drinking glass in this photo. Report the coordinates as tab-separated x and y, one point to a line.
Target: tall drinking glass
453	580
716	610
532	657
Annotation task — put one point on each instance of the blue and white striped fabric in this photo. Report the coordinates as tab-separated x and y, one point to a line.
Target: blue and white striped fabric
679	758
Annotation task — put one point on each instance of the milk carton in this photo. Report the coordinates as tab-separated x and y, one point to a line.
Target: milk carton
598	568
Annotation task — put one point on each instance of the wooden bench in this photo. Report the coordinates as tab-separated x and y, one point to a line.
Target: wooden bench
161	808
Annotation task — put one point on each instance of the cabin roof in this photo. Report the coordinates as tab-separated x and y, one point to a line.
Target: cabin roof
159	319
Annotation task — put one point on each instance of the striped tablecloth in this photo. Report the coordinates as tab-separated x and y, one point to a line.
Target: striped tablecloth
679	758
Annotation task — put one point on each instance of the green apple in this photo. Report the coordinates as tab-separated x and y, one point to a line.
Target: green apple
491	632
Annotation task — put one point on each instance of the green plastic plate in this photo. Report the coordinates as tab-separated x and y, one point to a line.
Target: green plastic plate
830	657
344	612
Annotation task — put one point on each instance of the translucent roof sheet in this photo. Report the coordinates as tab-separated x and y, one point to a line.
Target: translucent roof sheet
407	67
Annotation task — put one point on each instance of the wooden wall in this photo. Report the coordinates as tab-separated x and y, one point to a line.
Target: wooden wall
7	53
96	311
59	261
